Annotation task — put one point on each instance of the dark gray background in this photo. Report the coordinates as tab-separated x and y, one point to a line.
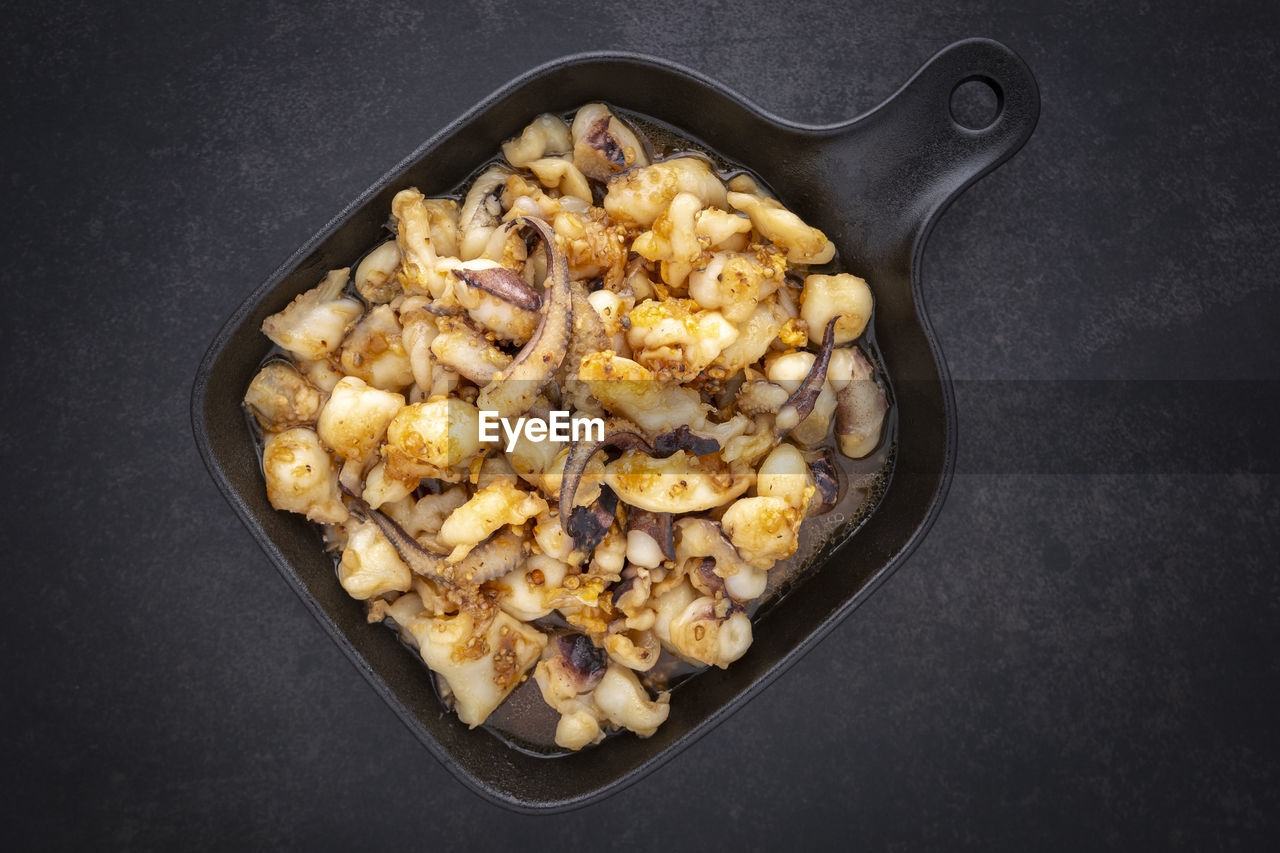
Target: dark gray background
1070	661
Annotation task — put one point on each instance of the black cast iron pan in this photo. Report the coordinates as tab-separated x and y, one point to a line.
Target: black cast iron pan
874	184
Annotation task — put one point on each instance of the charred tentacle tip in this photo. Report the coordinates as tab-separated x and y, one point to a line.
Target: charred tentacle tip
683	438
800	403
589	524
502	283
581	660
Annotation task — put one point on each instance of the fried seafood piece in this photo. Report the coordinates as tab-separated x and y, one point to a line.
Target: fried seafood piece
704	554
301	477
430	376
422	517
495	506
437	438
374	351
480	652
760	396
861	404
589	691
516	388
376	277
545	136
674	337
634	392
764	529
609	557
354	420
611	309
734	283
789	370
755	335
687	234
427	230
551	537
711	631
753	443
370	566
672	241
320	372
535	462
802	243
844	296
699	628
650	540
279	397
679	483
526	591
314	324
721	230
592	248
625	703
634	647
460	346
603	144
522	197
588	335
639	196
497	299
481	211
381	488
560	175
785	474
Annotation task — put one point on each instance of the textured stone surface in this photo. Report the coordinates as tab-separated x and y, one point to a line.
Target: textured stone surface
1071	660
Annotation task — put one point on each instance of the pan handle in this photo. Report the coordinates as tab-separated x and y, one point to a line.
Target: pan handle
910	157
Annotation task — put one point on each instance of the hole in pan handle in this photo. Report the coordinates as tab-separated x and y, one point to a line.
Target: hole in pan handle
913	154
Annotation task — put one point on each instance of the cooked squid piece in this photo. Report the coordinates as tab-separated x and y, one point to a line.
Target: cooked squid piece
459	345
639	196
650	538
279	397
436	439
861	405
374	351
426	233
489	509
591	692
371	566
301	477
513	390
603	144
314	324
481	653
481	211
354	420
547	135
844	298
581	278
376	280
802	243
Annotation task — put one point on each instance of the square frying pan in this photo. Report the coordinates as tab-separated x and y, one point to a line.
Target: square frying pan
874	184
